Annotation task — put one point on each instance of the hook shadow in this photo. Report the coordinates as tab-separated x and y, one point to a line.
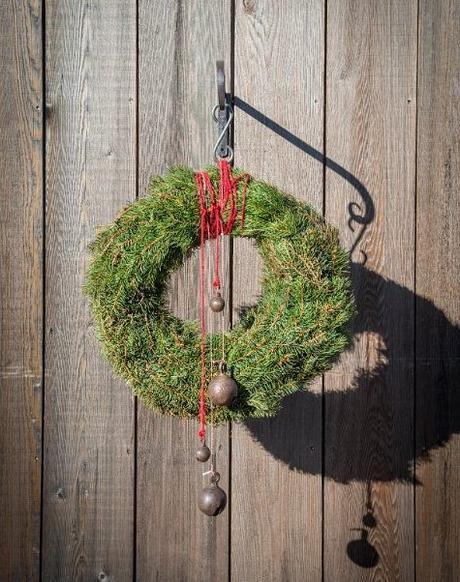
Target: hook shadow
368	210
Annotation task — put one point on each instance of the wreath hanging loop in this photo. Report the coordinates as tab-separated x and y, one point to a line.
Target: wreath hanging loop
293	334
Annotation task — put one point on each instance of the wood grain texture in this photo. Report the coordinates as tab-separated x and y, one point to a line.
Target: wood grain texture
279	70
21	209
405	253
179	43
89	416
438	294
369	438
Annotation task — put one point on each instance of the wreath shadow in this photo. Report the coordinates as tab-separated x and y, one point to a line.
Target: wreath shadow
377	435
373	433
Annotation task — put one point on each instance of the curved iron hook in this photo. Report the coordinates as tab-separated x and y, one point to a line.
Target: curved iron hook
223	133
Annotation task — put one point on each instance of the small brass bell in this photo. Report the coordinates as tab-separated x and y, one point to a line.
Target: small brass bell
217	303
203	454
212	500
222	389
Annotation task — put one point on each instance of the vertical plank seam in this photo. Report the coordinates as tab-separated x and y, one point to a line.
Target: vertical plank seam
323	384
43	251
136	194
414	444
230	293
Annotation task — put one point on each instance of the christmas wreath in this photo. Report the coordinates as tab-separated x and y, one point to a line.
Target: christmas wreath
293	334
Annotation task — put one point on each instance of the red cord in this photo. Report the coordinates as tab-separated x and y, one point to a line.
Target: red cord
212	225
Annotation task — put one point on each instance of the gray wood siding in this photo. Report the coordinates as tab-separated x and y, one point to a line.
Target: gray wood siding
350	105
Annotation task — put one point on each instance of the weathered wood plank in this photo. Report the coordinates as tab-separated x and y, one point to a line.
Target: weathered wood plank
91	173
276	501
21	306
370	131
179	43
438	293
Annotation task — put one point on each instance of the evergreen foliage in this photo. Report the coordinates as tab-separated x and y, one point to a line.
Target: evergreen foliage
293	334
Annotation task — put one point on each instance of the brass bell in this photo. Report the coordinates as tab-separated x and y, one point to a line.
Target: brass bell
222	389
212	500
203	454
217	303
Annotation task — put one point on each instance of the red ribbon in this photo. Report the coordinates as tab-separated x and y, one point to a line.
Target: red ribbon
218	214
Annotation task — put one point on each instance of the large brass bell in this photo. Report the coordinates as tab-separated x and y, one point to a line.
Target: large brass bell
212	500
222	389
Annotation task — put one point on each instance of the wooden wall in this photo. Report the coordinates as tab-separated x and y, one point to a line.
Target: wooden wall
351	105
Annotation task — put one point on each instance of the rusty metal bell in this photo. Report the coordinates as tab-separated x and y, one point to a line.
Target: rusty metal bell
217	303
203	454
212	500
222	389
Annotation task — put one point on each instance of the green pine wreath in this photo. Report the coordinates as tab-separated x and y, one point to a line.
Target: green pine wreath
294	333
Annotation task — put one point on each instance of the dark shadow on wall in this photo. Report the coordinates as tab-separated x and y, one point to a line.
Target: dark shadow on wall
369	432
361	552
373	433
373	436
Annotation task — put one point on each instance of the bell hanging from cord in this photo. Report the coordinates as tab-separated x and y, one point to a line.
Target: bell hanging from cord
222	389
212	499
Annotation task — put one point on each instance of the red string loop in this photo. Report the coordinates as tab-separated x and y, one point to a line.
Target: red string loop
217	218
